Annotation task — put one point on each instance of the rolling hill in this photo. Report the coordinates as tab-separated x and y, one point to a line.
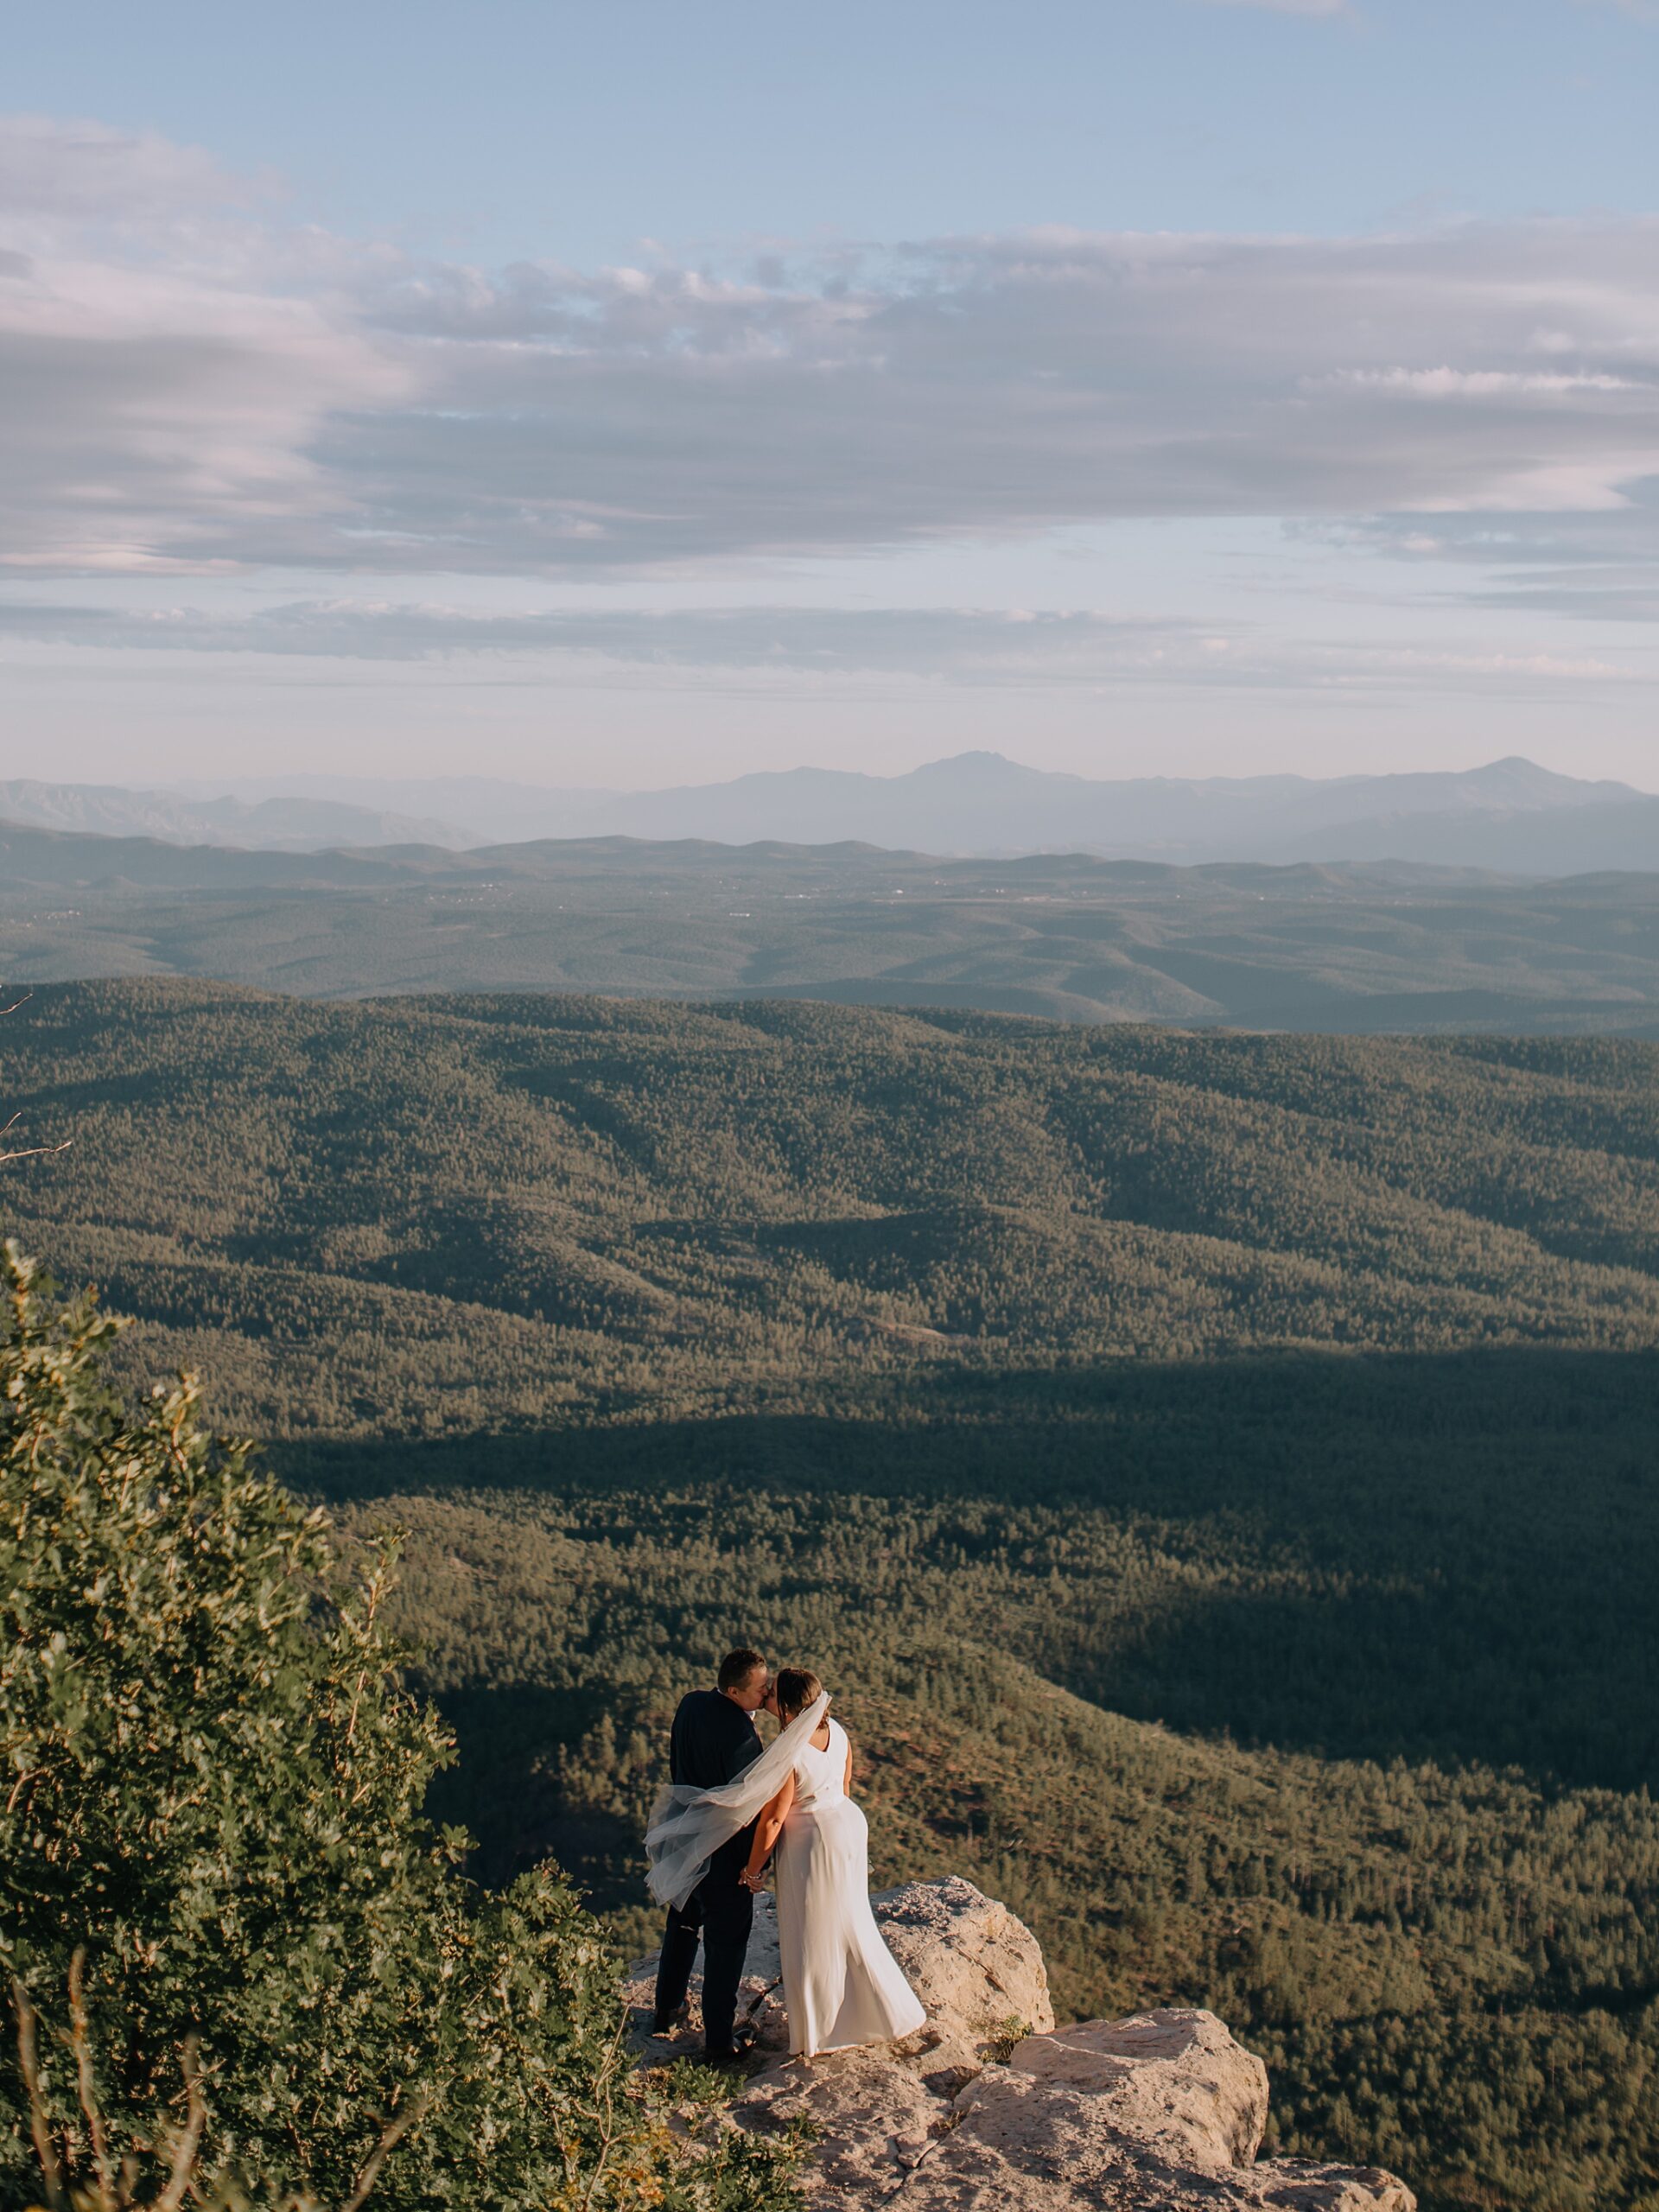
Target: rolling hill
1382	947
572	1203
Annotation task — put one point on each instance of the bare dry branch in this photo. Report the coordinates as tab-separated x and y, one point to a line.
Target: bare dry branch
80	2044
29	2063
391	2135
188	2141
21	1784
35	1151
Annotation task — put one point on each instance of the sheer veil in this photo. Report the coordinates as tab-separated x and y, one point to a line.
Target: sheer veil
689	1826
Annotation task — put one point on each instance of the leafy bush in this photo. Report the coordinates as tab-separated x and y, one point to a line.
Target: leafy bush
240	1960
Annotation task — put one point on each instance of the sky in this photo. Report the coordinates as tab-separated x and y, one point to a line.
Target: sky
642	394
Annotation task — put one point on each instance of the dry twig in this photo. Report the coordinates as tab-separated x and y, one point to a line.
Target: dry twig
86	2082
40	2128
187	2143
32	1151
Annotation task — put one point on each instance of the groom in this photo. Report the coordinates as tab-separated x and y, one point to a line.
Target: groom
714	1739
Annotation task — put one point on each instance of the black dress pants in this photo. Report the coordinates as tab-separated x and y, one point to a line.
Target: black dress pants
721	1911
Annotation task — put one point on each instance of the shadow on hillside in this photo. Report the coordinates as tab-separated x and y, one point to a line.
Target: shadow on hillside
507	1790
1453	1558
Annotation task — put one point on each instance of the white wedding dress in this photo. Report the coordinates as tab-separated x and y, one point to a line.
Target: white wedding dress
841	1985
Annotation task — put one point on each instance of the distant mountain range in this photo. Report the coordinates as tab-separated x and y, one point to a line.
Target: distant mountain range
281	822
981	803
1510	817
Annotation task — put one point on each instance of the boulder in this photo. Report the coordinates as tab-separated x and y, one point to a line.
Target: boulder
990	2107
977	1969
1162	2109
1174	2076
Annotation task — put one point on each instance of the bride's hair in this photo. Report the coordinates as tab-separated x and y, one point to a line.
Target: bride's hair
797	1688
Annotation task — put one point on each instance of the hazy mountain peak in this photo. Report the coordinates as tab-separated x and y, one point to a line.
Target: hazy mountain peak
984	771
1508	814
1519	781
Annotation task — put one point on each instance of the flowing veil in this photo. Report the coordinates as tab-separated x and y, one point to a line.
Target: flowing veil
689	1826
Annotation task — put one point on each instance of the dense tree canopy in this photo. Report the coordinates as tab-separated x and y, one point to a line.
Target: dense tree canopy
432	1217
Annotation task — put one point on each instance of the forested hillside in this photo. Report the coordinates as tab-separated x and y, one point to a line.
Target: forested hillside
466	1213
1377	948
1217	1471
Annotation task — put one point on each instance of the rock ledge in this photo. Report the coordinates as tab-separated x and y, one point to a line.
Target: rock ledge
990	2107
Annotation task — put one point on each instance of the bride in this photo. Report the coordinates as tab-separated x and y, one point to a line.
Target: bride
841	1985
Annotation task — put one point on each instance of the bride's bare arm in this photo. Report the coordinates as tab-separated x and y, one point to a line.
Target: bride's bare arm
767	1831
847	1778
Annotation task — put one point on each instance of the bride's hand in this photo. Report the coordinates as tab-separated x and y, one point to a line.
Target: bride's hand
751	1878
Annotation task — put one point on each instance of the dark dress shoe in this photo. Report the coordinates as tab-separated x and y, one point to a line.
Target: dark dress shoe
741	2049
664	2024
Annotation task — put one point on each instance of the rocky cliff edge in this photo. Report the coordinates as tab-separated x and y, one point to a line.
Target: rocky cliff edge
990	2109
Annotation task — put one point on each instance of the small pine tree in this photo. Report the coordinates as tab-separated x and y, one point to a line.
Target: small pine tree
241	1963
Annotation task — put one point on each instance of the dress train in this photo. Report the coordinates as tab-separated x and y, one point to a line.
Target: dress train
842	1984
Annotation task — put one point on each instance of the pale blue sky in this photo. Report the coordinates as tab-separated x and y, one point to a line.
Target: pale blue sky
524	127
1322	403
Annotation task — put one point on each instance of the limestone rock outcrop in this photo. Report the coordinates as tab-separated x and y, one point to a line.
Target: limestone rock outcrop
990	2106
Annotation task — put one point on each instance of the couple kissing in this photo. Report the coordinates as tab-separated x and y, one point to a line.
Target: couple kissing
728	1807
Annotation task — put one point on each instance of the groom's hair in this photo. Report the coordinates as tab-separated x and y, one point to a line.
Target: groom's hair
796	1688
736	1668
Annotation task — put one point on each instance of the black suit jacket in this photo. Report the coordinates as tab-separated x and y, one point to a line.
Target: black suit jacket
712	1741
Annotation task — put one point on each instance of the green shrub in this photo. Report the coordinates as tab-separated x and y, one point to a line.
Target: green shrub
242	1963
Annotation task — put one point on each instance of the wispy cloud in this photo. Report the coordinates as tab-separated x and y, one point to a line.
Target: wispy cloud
166	387
787	648
86	170
1598	565
194	384
964	642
